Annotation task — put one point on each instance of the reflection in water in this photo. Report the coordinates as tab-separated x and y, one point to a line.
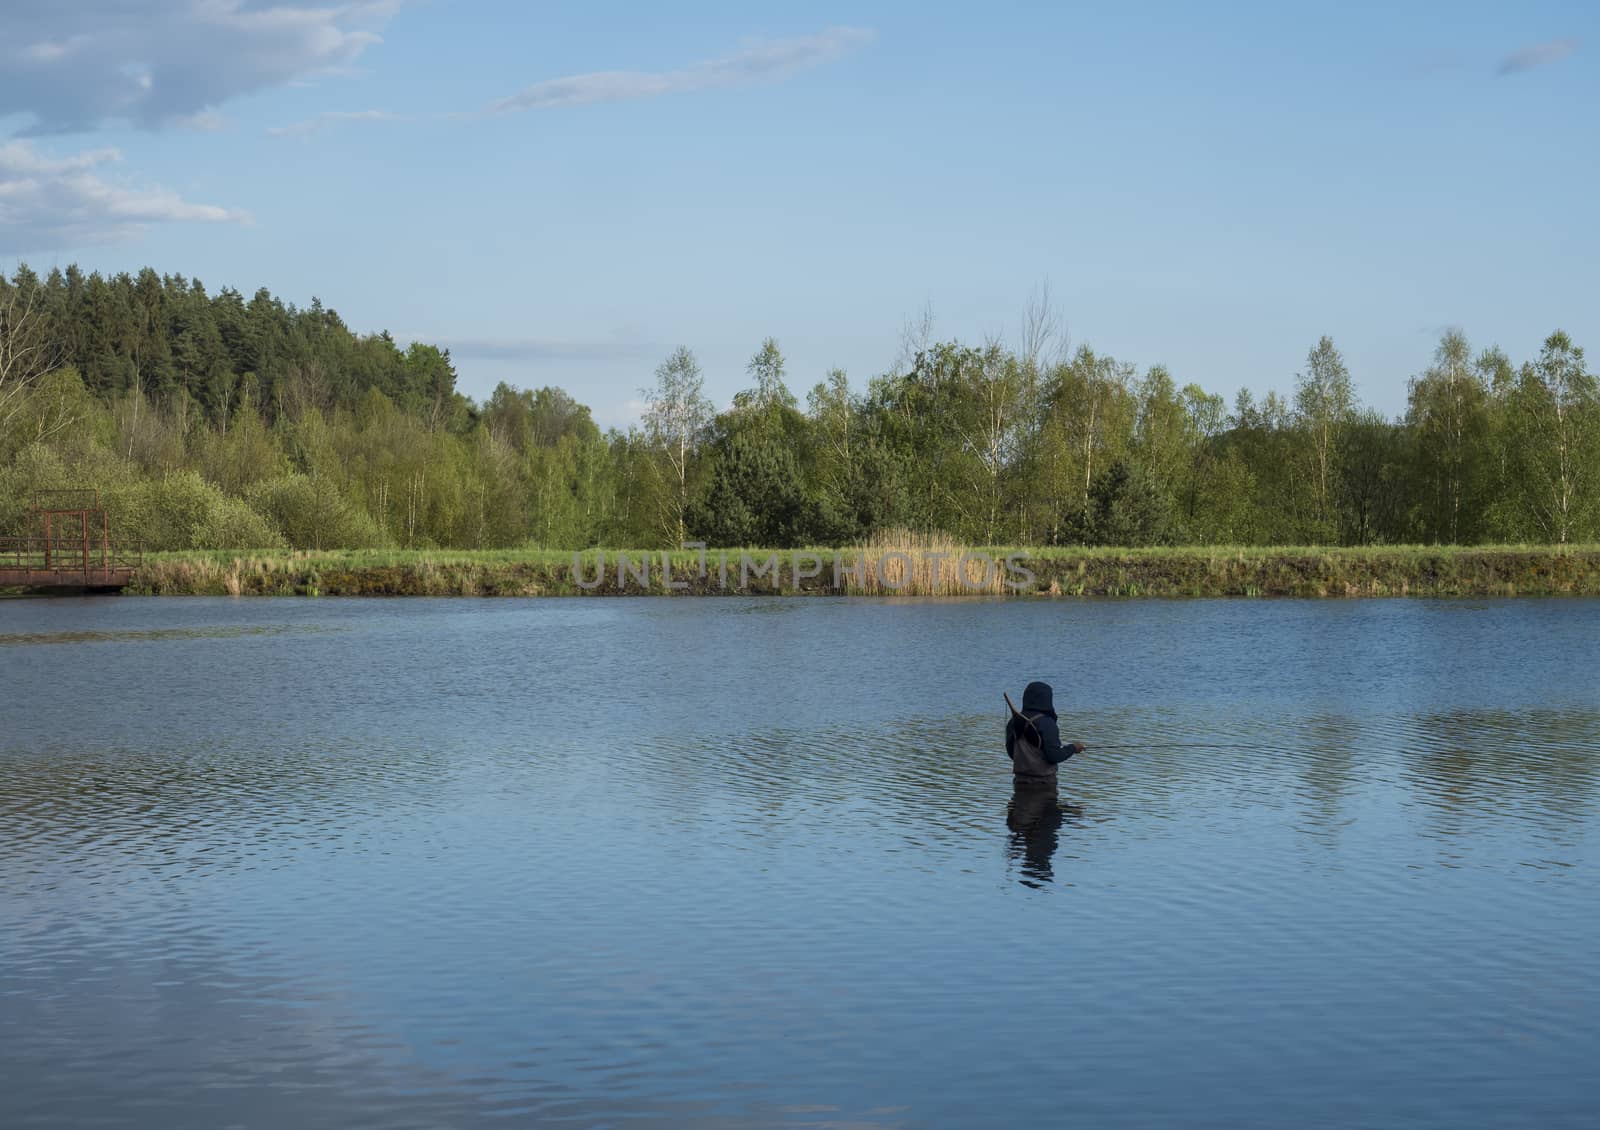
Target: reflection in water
735	864
1034	817
1540	767
212	632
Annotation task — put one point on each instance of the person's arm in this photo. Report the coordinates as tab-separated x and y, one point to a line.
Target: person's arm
1011	738
1050	736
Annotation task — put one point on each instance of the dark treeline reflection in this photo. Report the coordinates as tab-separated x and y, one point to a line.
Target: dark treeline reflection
1458	774
1539	767
210	420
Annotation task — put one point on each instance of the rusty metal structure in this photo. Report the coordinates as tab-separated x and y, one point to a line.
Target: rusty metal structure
66	544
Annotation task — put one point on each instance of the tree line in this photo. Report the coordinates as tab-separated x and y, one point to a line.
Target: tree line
215	421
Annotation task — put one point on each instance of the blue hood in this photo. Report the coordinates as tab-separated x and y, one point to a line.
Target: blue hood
1038	698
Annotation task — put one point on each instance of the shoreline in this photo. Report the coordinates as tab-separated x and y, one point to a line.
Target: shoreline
1304	572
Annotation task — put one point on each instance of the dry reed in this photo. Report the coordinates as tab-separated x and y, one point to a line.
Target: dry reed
900	562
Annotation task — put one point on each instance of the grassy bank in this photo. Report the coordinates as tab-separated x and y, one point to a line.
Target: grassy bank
1167	572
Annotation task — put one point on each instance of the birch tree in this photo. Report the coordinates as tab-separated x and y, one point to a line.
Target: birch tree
1556	432
1448	416
675	423
833	413
27	352
1324	400
766	369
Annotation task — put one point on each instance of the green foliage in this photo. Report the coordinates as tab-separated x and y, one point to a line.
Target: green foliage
766	370
1126	506
216	420
240	455
313	514
183	511
675	427
35	468
1450	421
1555	415
55	402
754	494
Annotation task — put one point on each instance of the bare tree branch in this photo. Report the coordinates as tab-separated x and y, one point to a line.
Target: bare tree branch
26	352
916	336
1044	331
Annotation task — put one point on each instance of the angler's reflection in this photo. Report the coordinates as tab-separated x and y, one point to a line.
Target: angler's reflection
1035	817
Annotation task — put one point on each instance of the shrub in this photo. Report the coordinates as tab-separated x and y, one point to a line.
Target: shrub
35	468
183	511
313	514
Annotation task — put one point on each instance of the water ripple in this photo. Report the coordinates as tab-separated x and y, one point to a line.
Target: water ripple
759	864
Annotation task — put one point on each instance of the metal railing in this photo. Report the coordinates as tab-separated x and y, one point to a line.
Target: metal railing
66	541
71	499
67	553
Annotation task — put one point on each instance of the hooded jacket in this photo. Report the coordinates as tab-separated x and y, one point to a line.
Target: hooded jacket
1034	763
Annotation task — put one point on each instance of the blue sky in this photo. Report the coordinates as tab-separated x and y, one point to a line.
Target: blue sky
563	192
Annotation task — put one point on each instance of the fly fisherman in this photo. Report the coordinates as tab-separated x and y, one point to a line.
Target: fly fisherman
1033	741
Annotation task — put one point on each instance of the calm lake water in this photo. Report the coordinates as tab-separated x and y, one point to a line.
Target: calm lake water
727	863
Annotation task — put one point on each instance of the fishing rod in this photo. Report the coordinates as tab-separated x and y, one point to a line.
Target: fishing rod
1190	745
1032	733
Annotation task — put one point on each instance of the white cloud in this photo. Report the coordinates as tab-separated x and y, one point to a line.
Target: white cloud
769	60
88	63
206	121
1539	55
541	349
50	203
331	117
775	59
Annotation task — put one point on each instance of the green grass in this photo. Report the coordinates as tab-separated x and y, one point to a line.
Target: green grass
1171	571
564	556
